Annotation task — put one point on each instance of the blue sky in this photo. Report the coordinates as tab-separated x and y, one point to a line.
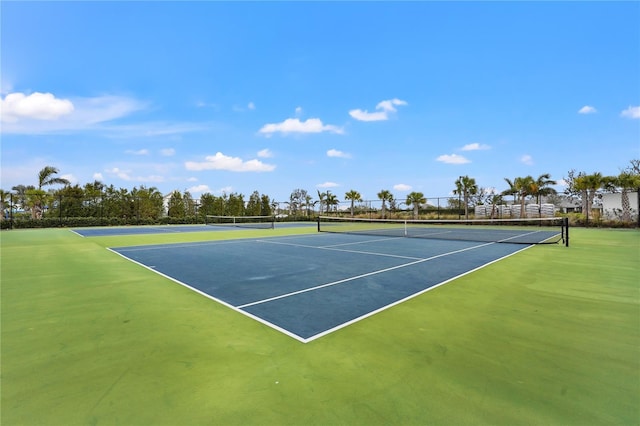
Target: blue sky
273	96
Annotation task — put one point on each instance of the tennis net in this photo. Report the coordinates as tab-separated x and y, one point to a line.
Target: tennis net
257	222
514	231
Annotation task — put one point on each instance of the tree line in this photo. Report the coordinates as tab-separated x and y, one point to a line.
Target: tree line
98	204
112	205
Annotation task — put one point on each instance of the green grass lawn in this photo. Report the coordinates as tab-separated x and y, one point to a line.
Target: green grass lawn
548	336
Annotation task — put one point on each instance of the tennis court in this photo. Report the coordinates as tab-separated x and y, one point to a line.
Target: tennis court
310	285
172	229
546	336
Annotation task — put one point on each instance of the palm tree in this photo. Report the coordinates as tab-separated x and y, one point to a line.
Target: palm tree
512	189
321	198
297	200
332	200
626	181
579	185
307	203
353	196
415	199
523	186
36	199
496	199
385	196
20	195
589	185
46	178
542	187
465	186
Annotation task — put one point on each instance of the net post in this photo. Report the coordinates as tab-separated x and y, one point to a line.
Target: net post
565	225
318	223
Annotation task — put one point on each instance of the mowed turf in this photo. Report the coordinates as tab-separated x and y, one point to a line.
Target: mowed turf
548	336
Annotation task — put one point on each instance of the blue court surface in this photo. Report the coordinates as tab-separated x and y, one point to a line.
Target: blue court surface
171	229
311	285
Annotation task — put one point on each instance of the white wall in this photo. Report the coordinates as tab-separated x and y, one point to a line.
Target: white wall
612	205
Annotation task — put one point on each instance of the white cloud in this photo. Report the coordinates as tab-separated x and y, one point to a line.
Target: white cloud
327	185
71	178
98	176
203	104
225	190
339	154
526	159
119	173
587	109
390	104
198	189
265	153
36	106
40	113
294	125
361	115
453	159
150	178
298	111
219	161
402	187
126	175
151	129
138	152
250	106
386	107
475	147
631	112
167	152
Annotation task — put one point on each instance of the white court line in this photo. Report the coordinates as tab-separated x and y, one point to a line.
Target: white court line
342	250
520	235
208	296
205	243
411	296
359	276
361	242
328	331
431	234
181	245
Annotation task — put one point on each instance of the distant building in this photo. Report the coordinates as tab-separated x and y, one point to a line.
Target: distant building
574	205
568	205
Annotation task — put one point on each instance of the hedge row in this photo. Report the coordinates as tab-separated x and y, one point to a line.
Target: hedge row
78	222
